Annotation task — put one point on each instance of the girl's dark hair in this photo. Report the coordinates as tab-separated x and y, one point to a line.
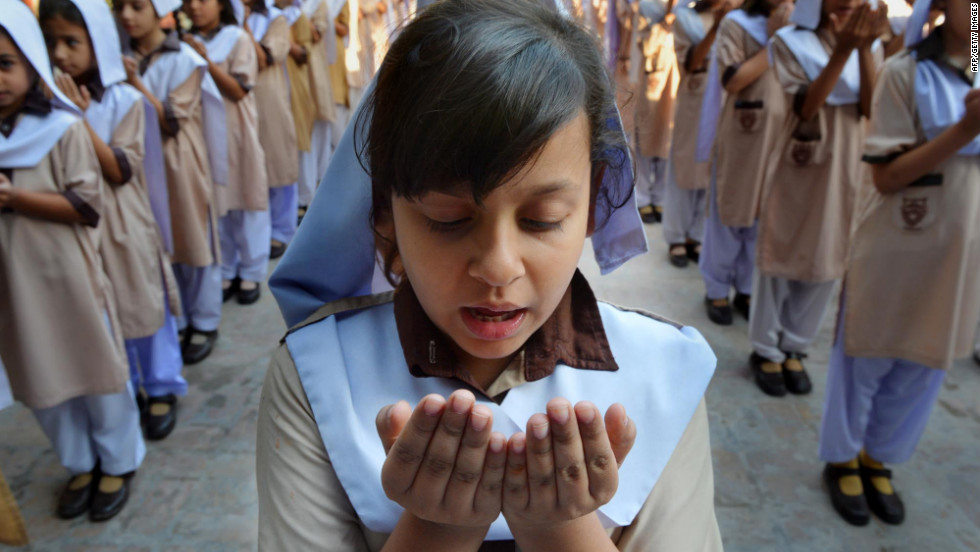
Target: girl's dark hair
65	9
469	94
227	14
757	7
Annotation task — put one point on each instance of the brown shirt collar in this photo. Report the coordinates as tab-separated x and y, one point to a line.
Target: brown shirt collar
170	44
573	335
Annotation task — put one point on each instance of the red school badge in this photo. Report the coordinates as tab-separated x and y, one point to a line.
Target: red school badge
747	118
914	211
802	152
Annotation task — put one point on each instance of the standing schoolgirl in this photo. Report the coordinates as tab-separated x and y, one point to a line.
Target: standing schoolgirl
740	117
482	209
277	131
911	297
685	191
658	78
338	71
301	99
826	65
60	339
243	204
188	106
132	248
314	163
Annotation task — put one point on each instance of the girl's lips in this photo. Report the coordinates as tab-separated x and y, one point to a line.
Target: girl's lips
492	325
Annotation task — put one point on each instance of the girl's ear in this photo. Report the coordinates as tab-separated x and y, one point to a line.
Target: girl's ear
593	194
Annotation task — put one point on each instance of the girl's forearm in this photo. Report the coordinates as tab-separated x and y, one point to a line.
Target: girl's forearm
914	164
49	206
867	64
701	51
230	88
412	534
748	72
107	158
157	106
820	89
584	534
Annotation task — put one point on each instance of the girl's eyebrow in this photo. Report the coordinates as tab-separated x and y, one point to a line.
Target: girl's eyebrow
552	187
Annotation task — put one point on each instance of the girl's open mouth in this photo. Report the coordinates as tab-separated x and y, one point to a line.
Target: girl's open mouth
492	324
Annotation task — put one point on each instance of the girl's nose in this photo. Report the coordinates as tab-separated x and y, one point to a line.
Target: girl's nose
497	262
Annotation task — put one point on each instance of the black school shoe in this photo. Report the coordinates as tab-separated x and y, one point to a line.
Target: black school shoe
649	214
159	426
742	304
888	507
249	296
771	383
719	315
692	251
75	502
232	290
193	353
854	509
105	506
276	250
797	381
680	261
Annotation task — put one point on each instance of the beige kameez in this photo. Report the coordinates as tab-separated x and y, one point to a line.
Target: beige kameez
913	277
298	479
190	188
301	98
689	174
747	129
247	188
131	246
277	130
319	69
338	69
55	299
657	94
812	180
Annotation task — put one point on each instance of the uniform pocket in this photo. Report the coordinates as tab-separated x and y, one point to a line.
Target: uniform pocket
749	115
808	143
917	207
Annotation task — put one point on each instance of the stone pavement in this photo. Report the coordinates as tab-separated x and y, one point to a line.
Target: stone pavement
196	490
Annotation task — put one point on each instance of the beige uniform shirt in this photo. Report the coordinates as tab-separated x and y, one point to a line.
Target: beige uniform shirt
338	69
248	187
690	175
302	505
913	280
301	98
277	130
814	172
55	300
131	246
319	68
657	93
747	128
190	189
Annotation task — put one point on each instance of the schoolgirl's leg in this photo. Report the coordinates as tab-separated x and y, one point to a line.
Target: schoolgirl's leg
803	312
283	203
114	428
66	426
745	261
157	360
676	218
659	178
255	233
230	238
719	251
769	294
307	176
901	410
200	290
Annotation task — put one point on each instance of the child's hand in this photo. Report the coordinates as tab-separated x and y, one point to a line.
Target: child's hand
566	465
298	53
721	12
132	70
445	465
779	18
79	95
6	191
846	29
198	46
970	123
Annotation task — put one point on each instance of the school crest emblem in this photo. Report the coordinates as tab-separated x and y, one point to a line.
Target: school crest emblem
694	83
914	211
802	153
748	119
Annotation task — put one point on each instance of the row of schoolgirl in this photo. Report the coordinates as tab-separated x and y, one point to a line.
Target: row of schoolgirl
800	158
148	172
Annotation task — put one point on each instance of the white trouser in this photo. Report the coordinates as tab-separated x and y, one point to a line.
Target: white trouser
727	254
650	175
155	362
200	296
96	428
684	211
786	314
879	404
245	237
283	203
311	162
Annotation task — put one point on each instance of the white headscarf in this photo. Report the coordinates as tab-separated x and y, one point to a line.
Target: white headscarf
806	14
105	44
163	7
915	27
34	135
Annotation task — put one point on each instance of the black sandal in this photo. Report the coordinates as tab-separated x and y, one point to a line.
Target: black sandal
888	507
854	509
680	261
